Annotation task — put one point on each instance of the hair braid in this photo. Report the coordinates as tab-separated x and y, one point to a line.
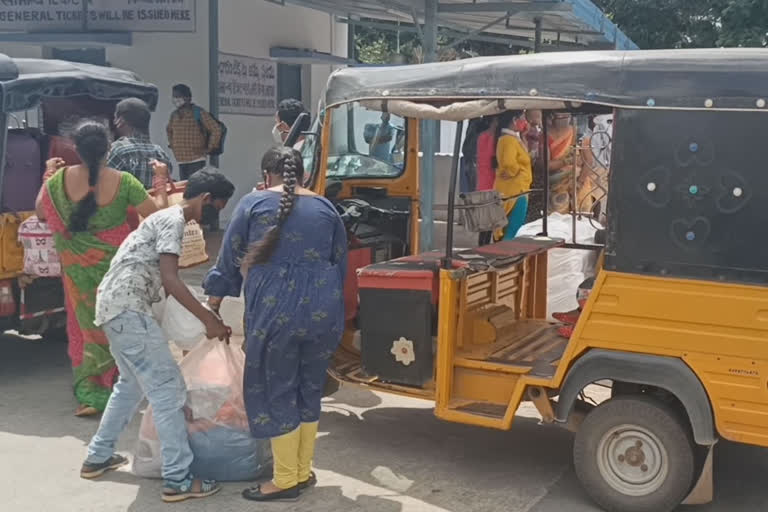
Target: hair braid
92	143
290	167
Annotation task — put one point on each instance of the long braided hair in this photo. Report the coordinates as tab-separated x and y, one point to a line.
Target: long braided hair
290	166
92	142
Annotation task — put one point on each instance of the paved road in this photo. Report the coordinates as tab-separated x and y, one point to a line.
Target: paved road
376	453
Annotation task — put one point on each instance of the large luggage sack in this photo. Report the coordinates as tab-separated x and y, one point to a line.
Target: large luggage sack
23	172
217	424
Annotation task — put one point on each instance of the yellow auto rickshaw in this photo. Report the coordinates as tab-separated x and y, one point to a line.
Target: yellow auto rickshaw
677	319
39	99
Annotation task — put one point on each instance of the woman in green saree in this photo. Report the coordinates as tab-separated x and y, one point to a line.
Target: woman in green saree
85	207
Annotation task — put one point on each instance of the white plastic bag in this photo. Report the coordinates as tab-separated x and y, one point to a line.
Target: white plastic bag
217	423
567	268
178	323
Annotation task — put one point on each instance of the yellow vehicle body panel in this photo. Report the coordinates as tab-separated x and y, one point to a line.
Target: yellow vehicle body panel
11	251
719	330
710	326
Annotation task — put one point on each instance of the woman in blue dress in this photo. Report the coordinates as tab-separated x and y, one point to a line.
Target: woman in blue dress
291	246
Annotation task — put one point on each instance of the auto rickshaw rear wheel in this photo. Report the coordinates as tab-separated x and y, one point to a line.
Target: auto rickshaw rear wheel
635	454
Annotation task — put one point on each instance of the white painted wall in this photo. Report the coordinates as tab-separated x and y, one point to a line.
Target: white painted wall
251	28
166	59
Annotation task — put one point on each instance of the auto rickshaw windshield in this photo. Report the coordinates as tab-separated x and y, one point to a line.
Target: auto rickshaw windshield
365	143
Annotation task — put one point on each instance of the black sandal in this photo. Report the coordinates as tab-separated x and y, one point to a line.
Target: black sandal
309	482
255	494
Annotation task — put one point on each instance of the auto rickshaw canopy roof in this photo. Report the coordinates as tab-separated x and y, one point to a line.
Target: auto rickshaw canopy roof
23	82
702	79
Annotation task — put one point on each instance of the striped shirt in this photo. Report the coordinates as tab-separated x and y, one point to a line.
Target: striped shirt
133	154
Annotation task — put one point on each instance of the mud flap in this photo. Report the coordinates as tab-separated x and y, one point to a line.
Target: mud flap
703	491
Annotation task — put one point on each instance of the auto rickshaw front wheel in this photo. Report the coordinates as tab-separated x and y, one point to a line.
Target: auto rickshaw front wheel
635	454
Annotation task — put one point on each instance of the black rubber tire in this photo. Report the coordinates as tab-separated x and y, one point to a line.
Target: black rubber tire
656	417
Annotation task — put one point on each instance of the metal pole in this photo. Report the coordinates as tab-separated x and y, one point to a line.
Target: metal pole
3	146
452	195
213	63
351	46
545	135
575	197
429	134
545	158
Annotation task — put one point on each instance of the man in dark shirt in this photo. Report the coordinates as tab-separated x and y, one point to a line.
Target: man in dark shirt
133	151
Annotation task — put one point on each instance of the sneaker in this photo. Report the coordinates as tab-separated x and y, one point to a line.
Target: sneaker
90	470
189	488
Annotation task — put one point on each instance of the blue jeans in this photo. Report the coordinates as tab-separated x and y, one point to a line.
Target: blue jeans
146	367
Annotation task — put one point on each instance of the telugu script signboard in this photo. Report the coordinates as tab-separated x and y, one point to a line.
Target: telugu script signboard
102	15
247	86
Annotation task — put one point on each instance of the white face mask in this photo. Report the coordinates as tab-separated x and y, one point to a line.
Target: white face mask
178	102
277	135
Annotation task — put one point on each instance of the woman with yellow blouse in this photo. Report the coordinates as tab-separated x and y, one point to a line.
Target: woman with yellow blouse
513	172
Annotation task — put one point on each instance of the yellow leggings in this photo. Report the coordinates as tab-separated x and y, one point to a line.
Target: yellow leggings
292	456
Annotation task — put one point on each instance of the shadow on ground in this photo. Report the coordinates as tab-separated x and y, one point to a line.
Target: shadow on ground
29	367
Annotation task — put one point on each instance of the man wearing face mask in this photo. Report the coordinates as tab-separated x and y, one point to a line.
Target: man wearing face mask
133	152
288	111
193	133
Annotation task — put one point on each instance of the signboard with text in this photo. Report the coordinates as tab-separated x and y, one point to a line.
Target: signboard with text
101	15
247	85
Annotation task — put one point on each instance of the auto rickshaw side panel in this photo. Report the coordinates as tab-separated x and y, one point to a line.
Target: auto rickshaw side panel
709	326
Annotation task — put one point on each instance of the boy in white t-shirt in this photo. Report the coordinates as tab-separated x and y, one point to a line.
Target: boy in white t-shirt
146	261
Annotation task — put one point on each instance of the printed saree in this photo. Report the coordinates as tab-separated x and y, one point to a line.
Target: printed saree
85	258
562	147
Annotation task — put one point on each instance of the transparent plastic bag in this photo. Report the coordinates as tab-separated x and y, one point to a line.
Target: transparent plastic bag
216	420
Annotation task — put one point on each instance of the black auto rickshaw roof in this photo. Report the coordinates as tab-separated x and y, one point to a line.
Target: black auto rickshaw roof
23	82
705	79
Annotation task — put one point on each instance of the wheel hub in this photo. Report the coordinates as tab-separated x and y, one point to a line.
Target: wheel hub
632	460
